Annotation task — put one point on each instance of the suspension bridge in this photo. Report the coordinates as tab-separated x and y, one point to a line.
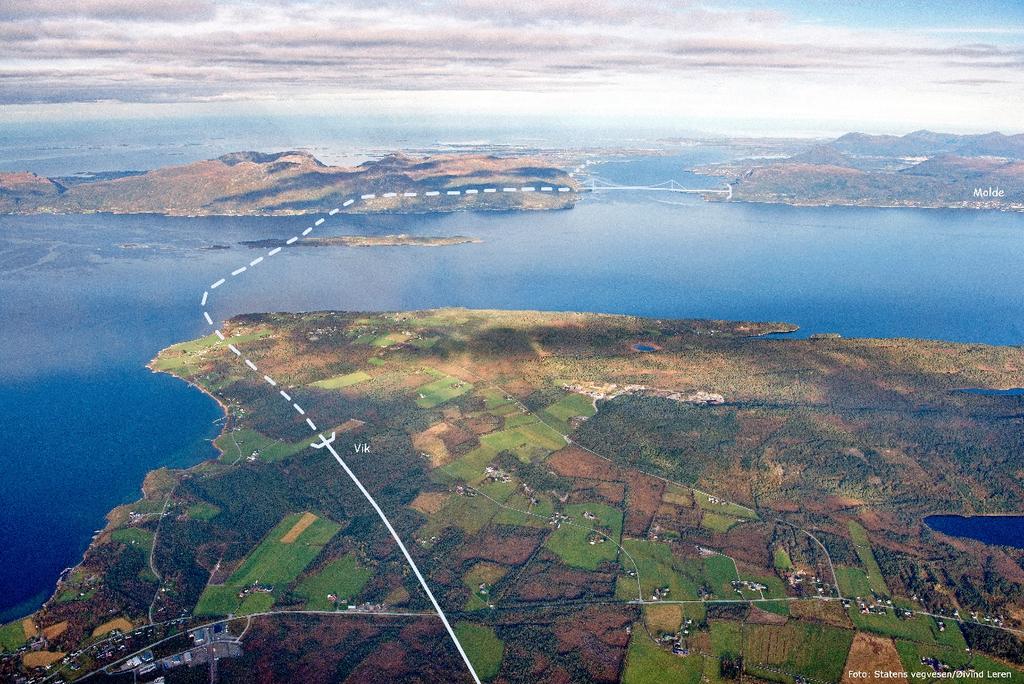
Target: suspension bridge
595	184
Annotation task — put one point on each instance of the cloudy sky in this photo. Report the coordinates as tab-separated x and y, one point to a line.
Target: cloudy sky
745	64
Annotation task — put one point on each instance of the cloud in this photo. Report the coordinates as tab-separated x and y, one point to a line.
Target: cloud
197	51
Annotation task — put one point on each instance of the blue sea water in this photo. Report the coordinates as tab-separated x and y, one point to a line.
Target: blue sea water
85	420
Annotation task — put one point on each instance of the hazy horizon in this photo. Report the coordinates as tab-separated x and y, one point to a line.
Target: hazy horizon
732	68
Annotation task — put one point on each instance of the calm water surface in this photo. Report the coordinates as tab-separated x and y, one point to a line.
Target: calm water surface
1001	530
84	420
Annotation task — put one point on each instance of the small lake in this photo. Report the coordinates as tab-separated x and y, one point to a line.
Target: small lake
998	530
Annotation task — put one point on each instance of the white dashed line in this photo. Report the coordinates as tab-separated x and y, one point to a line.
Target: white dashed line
312	426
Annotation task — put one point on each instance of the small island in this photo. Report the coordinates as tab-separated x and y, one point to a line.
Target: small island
400	240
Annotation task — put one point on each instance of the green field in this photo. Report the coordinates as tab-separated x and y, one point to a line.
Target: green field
571	543
657	568
919	628
720	573
241	443
273	563
482	645
342	576
853	581
562	411
12	635
716	522
470	467
441	390
812	650
179	357
135	537
527	434
646	663
860	541
203	511
781	559
726	637
340	381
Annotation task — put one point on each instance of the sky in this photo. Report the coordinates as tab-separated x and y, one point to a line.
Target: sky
745	66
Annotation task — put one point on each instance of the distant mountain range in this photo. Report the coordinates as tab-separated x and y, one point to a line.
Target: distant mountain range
920	169
293	182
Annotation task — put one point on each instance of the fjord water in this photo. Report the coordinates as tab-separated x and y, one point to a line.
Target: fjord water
85	420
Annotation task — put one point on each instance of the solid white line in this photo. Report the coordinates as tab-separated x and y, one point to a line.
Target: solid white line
250	364
238	271
285	395
270	380
319	222
255	261
293	239
274	251
408	557
205	295
234	350
311	424
348	202
209	320
217	284
299	409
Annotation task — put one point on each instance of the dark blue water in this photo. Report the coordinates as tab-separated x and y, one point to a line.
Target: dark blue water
999	530
81	316
1011	392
